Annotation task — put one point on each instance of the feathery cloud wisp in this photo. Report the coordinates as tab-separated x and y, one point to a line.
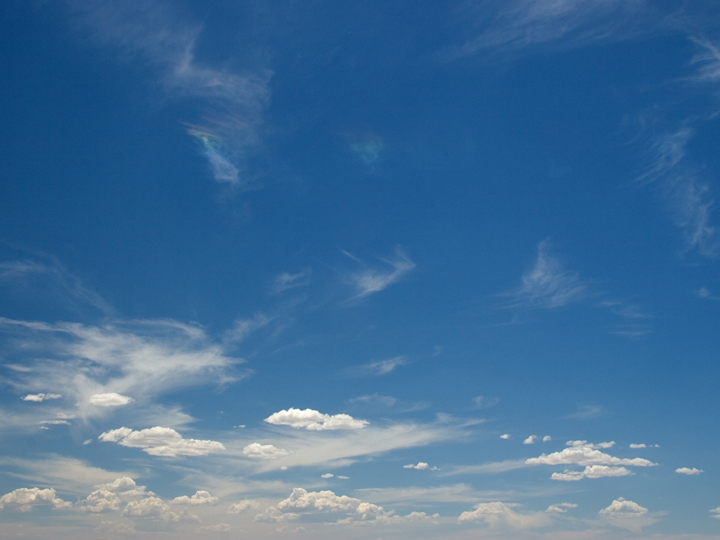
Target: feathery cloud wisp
373	280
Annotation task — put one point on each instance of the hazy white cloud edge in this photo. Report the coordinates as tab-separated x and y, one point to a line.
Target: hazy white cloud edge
373	280
154	31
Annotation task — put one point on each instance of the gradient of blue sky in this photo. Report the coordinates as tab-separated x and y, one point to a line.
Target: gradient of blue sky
360	270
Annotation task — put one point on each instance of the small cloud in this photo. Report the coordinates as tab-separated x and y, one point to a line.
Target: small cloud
242	506
110	399
716	511
627	515
421	466
343	477
201	498
286	281
242	328
382	367
374	400
39	398
505	436
372	280
239	426
89	441
531	439
586	412
368	151
482	402
213	149
327	475
548	284
264	451
639	445
560	508
688	471
547	438
591	471
161	441
220	527
314	420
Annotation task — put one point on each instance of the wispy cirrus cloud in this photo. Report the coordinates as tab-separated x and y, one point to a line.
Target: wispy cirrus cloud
373	280
159	35
689	198
548	284
521	24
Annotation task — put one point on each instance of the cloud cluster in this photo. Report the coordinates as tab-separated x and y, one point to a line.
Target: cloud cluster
241	506
498	514
314	420
161	441
24	499
107	497
627	515
39	398
591	471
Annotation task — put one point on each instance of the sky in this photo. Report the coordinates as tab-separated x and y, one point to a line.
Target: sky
364	270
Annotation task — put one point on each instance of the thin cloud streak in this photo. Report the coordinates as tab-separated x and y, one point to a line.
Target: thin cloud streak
154	32
373	280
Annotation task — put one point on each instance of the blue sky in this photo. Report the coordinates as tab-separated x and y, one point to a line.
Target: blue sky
360	270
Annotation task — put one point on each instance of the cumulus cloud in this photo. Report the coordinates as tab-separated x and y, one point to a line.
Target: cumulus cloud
201	498
301	502
716	511
41	397
373	280
220	527
547	438
548	284
25	499
584	453
161	441
150	508
314	420
109	399
107	497
640	445
498	514
421	466
264	451
560	508
242	506
591	471
101	500
505	436
689	471
531	439
627	515
126	488
327	475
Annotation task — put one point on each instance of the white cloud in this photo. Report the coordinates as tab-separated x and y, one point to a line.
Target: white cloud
505	436
220	527
101	500
548	284
421	466
242	328
232	103
265	451
531	439
161	441
314	420
285	281
24	499
482	402
110	399
627	515
41	397
383	367
716	511
150	508
327	475
560	508
201	498
709	60
591	471
584	453
498	514
641	445
126	488
343	477
689	471
372	280
547	438
242	506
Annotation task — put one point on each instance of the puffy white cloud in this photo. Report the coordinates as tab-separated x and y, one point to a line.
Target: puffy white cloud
591	471
421	466
101	500
560	508
150	508
716	511
161	441
627	515
264	451
498	514
41	397
505	436
24	499
126	488
242	506
547	438
327	475
640	445
689	471
584	453
200	498
531	439
314	420
110	399
302	502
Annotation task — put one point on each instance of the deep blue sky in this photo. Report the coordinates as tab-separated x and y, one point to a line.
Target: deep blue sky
411	270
